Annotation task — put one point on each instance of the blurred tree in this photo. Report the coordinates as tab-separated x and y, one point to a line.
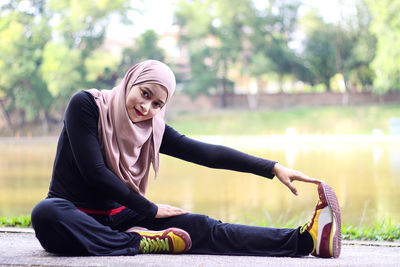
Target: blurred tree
319	48
273	29
346	48
101	67
361	47
60	69
231	27
195	21
46	50
145	47
280	22
79	29
386	27
223	36
215	33
24	32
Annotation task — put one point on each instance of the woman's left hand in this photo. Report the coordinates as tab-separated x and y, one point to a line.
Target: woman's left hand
287	176
165	211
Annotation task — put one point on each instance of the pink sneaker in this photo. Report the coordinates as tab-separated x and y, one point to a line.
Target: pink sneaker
325	225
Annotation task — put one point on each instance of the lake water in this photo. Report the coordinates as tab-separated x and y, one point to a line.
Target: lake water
363	170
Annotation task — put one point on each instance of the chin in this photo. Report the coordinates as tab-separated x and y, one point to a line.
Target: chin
140	119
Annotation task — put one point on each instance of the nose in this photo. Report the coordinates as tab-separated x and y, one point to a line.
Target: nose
145	107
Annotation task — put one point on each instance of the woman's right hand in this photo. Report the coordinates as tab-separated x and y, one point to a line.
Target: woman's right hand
165	211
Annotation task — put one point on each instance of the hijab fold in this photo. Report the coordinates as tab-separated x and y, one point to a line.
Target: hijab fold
129	148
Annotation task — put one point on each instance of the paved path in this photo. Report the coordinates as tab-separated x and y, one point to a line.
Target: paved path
21	248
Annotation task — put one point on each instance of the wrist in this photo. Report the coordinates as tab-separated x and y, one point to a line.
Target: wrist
275	169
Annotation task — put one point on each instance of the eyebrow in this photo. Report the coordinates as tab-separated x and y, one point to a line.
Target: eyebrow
152	94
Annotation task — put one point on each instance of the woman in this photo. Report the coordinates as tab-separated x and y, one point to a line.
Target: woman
96	197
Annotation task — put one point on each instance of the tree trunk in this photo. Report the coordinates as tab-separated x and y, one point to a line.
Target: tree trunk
338	52
224	85
45	122
6	115
280	82
328	86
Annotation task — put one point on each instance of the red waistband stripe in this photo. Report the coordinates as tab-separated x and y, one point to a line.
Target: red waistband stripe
102	212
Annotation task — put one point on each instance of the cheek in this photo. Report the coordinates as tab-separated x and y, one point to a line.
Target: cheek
152	113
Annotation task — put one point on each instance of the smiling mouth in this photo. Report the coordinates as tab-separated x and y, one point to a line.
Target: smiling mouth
138	112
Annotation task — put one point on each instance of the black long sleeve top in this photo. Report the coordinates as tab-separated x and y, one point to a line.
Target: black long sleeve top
80	173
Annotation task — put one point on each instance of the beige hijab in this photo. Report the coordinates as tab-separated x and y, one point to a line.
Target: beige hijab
129	147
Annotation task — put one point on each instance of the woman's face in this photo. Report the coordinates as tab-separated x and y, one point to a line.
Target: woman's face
145	100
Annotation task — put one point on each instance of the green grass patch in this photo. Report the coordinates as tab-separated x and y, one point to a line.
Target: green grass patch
307	120
383	230
19	221
379	231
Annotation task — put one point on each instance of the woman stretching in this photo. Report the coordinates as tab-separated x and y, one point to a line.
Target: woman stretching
96	200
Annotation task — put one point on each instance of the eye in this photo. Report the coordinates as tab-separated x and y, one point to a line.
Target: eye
145	94
156	104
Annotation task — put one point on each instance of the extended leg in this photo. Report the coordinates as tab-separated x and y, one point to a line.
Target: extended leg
210	236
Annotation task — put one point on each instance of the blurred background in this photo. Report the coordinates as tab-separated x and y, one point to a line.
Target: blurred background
314	85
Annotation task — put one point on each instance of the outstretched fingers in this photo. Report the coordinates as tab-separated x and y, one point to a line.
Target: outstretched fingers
304	178
292	188
287	176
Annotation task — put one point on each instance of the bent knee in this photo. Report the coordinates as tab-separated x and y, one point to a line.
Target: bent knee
48	211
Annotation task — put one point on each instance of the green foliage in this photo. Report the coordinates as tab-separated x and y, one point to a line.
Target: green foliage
46	51
20	221
346	47
50	49
100	70
320	50
59	69
82	24
273	29
380	231
145	47
386	27
22	38
225	37
359	47
215	34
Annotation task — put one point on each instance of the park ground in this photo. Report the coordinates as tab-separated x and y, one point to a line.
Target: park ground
19	247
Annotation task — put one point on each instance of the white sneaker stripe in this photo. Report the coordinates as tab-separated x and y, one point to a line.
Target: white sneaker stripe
325	217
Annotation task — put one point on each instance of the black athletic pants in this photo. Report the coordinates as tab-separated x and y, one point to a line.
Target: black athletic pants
63	229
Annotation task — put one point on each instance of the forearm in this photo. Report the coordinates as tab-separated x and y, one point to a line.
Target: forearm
214	156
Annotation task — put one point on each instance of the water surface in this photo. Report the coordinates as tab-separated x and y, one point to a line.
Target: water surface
363	170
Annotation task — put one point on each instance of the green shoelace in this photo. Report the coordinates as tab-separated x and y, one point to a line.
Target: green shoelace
148	245
304	227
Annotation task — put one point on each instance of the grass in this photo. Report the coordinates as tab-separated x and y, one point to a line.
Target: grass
309	120
13	221
383	230
379	231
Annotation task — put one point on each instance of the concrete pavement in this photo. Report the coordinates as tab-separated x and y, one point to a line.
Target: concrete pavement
20	247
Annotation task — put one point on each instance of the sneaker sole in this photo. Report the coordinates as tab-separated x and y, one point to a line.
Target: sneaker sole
333	203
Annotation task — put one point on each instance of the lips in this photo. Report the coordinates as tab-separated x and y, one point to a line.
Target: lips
138	112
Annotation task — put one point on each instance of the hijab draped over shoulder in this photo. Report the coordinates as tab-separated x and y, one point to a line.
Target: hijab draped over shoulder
129	148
